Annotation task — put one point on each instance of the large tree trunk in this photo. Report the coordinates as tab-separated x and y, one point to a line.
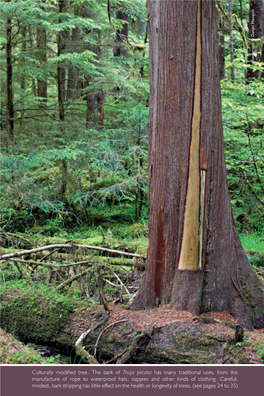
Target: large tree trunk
195	258
255	32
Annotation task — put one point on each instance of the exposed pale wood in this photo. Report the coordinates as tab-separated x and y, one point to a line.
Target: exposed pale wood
201	220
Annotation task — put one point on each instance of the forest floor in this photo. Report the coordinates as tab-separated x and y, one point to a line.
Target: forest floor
161	335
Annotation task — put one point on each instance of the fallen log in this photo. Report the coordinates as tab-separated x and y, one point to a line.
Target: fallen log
124	337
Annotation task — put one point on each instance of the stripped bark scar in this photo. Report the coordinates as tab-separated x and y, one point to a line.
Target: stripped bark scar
201	217
190	253
160	255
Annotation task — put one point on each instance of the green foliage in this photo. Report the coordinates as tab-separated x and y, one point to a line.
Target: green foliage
91	168
243	113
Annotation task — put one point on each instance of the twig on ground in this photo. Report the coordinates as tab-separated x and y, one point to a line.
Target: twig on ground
117	356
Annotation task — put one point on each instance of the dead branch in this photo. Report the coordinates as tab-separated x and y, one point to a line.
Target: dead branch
79	349
72	278
117	356
49	254
66	246
132	349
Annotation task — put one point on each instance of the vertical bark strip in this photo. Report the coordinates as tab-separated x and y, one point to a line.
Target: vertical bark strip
190	242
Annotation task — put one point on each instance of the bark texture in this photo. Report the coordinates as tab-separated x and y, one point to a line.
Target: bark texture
217	275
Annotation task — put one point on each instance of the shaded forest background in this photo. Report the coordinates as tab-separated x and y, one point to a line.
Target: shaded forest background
74	113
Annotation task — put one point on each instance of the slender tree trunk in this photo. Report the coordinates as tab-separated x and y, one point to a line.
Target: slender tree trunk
90	105
121	35
195	258
34	91
255	32
42	56
23	79
60	71
9	75
72	72
221	52
231	41
100	100
24	48
144	52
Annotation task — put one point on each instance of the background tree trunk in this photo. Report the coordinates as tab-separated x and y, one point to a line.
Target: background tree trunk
255	32
121	35
9	77
60	72
42	56
231	41
221	52
31	42
73	72
195	258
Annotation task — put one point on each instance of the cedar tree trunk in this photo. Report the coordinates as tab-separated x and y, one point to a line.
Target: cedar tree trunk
195	258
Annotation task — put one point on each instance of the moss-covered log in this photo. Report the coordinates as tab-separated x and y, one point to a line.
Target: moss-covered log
57	322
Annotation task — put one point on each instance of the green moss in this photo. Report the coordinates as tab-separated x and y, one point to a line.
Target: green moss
38	318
